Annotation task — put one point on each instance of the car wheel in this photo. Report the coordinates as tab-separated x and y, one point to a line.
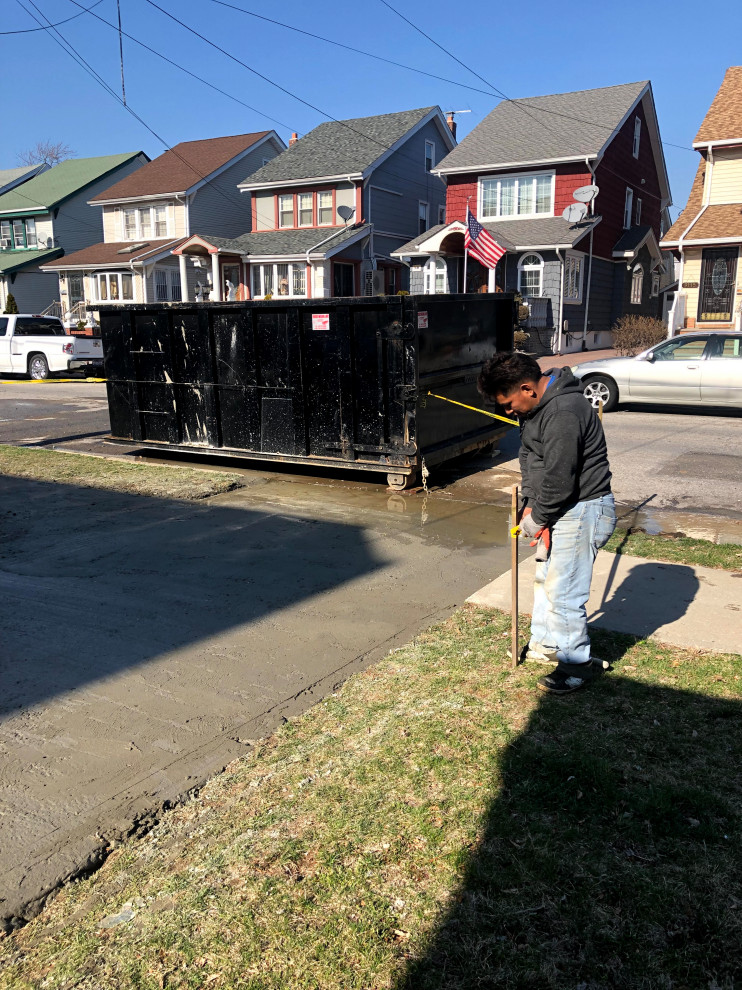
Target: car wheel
38	367
597	390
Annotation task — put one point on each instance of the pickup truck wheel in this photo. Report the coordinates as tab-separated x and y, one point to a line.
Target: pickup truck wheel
599	389
38	367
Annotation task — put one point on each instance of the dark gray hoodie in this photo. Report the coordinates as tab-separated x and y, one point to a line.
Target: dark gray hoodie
563	456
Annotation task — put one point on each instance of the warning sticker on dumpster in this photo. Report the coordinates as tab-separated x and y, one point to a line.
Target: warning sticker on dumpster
422	320
320	321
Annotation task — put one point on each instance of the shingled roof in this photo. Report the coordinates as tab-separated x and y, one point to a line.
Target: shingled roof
286	243
177	170
52	187
545	128
723	122
695	201
345	147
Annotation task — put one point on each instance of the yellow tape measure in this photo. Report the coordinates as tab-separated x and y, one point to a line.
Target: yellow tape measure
504	419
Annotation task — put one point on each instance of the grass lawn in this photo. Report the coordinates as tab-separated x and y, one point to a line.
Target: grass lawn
438	823
678	549
161	481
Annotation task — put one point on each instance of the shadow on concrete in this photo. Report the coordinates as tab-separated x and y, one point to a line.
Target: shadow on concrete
94	583
610	858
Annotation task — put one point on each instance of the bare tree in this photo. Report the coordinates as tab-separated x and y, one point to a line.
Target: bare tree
50	152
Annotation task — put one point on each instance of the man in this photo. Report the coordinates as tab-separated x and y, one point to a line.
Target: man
568	505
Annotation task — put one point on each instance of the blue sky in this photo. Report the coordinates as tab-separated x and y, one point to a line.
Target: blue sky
524	49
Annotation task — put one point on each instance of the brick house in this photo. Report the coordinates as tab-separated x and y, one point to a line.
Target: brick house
147	214
518	171
707	236
328	212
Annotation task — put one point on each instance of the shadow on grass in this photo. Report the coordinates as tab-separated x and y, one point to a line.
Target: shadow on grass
611	856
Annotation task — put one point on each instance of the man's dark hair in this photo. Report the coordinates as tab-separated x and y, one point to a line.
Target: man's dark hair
504	372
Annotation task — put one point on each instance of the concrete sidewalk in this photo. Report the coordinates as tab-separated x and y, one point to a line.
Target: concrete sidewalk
692	607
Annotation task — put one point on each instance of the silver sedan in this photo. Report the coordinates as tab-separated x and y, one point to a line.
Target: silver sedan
690	369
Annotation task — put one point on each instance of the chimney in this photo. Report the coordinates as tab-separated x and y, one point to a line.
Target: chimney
451	124
295	137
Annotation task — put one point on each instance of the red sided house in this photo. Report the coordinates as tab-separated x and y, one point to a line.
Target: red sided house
518	171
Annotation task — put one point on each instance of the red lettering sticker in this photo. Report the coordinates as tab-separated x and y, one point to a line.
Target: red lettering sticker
320	321
422	320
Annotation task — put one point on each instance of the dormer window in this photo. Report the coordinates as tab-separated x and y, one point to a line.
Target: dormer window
517	196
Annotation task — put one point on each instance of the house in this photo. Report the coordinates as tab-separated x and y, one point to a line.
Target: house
147	214
45	217
707	236
518	172
327	214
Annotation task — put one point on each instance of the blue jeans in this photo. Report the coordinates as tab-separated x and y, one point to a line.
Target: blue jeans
562	583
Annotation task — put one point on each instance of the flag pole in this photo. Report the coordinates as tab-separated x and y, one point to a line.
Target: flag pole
466	253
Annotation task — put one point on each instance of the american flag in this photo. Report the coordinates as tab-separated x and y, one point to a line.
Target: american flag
480	243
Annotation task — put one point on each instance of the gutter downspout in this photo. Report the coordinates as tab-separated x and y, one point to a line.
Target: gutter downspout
589	264
561	302
706	196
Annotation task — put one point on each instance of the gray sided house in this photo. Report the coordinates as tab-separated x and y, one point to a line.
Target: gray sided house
328	213
47	216
149	213
518	172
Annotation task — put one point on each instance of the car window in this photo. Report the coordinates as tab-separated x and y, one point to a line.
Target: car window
680	350
30	326
727	347
3	325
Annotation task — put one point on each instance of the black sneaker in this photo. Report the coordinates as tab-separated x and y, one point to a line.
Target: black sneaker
566	677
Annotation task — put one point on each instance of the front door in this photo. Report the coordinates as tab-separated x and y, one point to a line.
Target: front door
718	277
343	283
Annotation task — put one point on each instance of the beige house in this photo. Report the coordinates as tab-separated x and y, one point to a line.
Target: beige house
707	236
150	212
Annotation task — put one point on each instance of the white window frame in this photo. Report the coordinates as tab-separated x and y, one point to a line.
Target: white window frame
638	211
435	268
172	280
431	156
627	207
139	213
281	211
298	209
655	285
519	177
331	221
423	214
96	278
574	271
261	268
637	135
531	268
637	285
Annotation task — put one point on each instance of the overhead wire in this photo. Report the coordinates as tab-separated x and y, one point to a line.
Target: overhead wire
85	10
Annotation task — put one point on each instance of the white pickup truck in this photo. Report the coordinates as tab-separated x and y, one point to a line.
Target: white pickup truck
39	346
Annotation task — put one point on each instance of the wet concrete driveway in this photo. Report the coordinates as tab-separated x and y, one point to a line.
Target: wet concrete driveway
146	641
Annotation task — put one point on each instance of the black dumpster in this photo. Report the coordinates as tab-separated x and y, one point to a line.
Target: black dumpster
336	382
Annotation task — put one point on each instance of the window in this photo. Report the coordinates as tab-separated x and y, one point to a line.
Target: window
529	195
305	209
31	233
627	208
167	284
144	222
429	155
680	350
436	276
422	214
638	211
441	214
637	135
30	326
18	234
6	234
288	279
391	281
531	275
324	208
113	287
3	325
286	211
637	285
727	347
573	278
655	285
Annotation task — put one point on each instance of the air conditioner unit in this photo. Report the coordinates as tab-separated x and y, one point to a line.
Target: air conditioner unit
374	283
4	242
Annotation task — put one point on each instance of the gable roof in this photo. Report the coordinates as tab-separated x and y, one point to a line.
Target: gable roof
541	233
692	207
287	243
179	169
10	177
340	148
49	188
723	122
562	126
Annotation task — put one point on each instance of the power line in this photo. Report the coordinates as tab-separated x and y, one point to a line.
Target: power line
58	23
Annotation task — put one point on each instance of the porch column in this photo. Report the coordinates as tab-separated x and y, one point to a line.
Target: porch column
216	289
491	280
183	278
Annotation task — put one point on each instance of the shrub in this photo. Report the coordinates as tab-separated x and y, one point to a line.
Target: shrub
520	337
632	334
11	306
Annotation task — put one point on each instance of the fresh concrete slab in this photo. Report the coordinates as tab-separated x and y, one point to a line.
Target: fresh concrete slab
695	607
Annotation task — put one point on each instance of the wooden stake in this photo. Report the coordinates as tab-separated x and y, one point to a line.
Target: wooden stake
514	572
600	410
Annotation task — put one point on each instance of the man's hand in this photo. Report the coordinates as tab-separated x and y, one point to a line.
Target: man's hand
528	525
542	534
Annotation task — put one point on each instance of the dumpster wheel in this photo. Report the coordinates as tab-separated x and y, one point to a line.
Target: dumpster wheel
399	482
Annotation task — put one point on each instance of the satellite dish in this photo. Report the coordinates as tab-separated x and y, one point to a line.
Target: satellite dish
346	212
585	194
575	212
